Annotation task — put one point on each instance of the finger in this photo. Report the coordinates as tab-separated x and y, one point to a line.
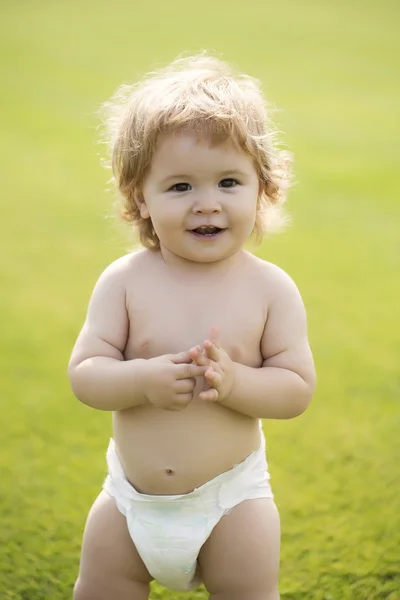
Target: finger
211	351
213	378
215	336
210	395
181	357
184	399
199	357
184	386
194	352
189	371
180	403
197	370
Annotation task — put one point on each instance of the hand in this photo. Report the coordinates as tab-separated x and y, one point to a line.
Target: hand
220	369
169	380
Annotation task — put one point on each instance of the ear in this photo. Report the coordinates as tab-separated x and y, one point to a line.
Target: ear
142	206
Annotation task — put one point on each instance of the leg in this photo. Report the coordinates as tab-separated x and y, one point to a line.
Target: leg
240	559
110	565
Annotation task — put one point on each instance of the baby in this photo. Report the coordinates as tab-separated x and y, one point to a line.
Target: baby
190	342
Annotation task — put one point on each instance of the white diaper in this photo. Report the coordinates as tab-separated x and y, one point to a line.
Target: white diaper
169	531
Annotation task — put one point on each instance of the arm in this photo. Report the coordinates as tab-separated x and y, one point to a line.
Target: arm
283	387
97	372
269	392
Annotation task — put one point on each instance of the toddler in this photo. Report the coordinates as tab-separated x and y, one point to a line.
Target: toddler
191	341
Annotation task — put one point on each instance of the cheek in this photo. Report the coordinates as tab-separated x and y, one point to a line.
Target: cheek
246	209
165	217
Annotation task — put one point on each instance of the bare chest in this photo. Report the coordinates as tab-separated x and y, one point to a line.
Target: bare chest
173	319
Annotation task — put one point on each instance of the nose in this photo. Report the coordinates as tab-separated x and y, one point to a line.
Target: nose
206	203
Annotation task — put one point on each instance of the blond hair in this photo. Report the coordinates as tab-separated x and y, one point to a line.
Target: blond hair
203	94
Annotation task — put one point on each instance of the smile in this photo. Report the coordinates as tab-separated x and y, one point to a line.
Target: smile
207	232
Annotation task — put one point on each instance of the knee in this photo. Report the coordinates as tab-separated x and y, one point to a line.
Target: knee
97	590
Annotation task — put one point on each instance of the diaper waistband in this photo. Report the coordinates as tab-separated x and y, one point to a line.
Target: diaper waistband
116	476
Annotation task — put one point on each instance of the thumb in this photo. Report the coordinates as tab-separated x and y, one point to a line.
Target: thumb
181	357
215	336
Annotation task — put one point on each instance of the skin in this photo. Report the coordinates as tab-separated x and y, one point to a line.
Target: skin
194	342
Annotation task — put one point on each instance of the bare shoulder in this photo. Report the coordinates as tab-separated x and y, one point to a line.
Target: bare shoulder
274	281
106	327
125	266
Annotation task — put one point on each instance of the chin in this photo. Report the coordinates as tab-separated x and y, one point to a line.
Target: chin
205	256
211	257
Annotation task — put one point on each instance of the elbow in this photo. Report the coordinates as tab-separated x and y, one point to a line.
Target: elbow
75	381
303	398
84	386
74	384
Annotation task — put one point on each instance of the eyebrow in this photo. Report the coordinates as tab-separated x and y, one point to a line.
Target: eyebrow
175	177
222	174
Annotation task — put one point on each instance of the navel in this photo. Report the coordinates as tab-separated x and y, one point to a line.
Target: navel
169	471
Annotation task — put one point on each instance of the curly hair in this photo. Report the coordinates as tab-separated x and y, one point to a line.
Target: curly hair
203	94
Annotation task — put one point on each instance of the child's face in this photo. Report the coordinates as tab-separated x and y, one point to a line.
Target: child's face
202	199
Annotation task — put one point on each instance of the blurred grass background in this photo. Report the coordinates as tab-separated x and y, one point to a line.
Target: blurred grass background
332	69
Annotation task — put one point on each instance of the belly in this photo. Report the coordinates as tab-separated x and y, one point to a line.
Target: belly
166	453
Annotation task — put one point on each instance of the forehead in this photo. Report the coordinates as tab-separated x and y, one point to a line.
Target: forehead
188	151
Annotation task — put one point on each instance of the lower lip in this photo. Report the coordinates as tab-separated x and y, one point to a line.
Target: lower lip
208	237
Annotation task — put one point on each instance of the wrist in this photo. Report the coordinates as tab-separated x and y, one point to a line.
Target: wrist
235	379
229	383
140	380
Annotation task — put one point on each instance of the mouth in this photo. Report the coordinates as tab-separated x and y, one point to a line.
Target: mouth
207	231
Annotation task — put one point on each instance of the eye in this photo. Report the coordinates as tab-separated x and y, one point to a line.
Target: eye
180	187
229	182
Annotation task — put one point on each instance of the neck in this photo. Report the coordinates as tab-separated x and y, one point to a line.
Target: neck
190	269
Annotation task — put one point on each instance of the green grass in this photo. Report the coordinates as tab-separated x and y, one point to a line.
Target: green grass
332	68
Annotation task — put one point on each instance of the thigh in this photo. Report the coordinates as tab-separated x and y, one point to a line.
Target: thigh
110	565
241	556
